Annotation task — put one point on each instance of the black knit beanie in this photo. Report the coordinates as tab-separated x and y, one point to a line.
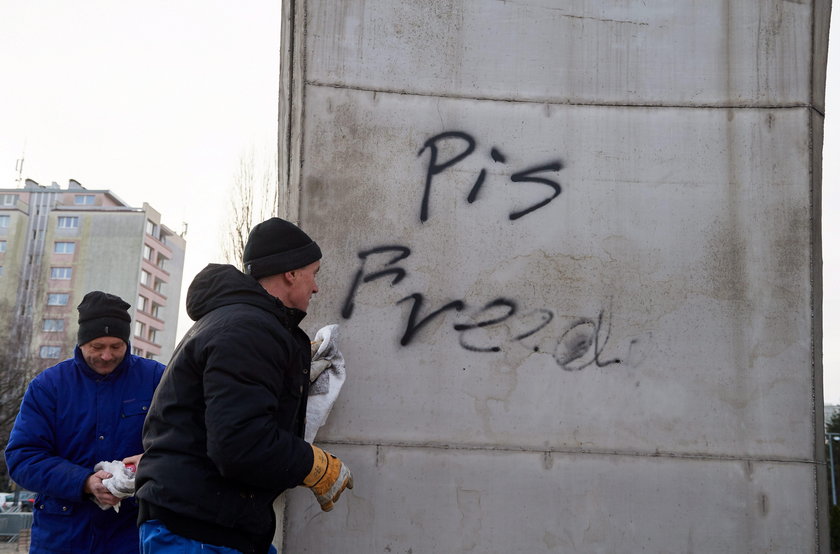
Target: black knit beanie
276	246
103	315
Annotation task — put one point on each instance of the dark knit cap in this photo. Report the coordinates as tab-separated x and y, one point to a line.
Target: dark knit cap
276	246
103	315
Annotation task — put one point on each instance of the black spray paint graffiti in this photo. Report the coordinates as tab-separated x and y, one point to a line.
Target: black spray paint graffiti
437	166
581	343
360	277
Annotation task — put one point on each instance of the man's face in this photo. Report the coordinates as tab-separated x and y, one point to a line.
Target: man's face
104	354
303	286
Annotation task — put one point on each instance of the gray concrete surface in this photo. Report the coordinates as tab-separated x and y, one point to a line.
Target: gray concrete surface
574	254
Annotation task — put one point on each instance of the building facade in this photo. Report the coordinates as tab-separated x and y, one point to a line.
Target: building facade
58	244
828	412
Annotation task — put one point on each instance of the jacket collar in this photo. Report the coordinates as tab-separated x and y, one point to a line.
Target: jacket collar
288	316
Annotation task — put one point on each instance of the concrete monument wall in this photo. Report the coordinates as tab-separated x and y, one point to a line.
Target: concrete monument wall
574	251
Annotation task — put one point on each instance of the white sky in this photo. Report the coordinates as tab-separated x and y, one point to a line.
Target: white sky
158	101
155	100
830	219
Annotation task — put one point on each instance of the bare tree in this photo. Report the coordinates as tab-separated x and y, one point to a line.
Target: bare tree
254	197
17	365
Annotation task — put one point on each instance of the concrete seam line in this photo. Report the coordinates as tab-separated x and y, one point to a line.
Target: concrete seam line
794	105
587	451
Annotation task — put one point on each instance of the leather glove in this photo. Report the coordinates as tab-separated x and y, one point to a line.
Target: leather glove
328	478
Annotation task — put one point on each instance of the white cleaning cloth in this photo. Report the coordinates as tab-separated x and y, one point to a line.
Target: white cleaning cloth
327	376
121	484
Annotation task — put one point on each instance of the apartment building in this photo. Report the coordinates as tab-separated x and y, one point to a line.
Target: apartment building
58	244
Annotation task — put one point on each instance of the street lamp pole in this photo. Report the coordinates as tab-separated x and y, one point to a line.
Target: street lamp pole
831	438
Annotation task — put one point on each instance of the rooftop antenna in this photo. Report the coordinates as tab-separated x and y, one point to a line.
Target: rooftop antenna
19	165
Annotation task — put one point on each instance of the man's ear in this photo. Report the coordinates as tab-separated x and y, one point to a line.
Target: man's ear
290	276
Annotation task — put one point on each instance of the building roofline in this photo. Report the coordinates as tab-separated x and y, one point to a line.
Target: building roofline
71	190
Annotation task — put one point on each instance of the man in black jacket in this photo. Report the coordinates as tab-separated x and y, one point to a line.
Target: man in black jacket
223	436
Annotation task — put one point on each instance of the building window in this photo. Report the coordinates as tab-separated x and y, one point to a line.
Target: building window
153	335
7	200
137	351
150	356
147	252
158	286
152	229
68	222
139	328
53	325
2	245
155	310
145	277
64	247
84	199
141	303
52	352
58	299
161	261
64	273
4	221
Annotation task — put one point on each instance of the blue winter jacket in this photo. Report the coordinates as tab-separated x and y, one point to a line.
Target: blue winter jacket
71	418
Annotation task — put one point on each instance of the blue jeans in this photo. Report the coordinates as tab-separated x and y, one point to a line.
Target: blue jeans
156	538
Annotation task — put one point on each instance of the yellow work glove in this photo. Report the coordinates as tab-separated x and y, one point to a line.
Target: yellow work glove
328	478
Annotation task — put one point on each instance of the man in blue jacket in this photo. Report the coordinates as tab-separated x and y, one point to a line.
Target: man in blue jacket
82	411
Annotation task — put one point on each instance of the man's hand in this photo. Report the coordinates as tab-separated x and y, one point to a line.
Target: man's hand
94	486
132	460
328	478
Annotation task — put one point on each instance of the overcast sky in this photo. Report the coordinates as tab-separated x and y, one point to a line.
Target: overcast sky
158	101
831	221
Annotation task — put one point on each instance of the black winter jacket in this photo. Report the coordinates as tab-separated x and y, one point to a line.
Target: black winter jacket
223	435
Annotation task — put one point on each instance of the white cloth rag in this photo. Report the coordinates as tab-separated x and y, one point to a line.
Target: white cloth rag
120	484
327	376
